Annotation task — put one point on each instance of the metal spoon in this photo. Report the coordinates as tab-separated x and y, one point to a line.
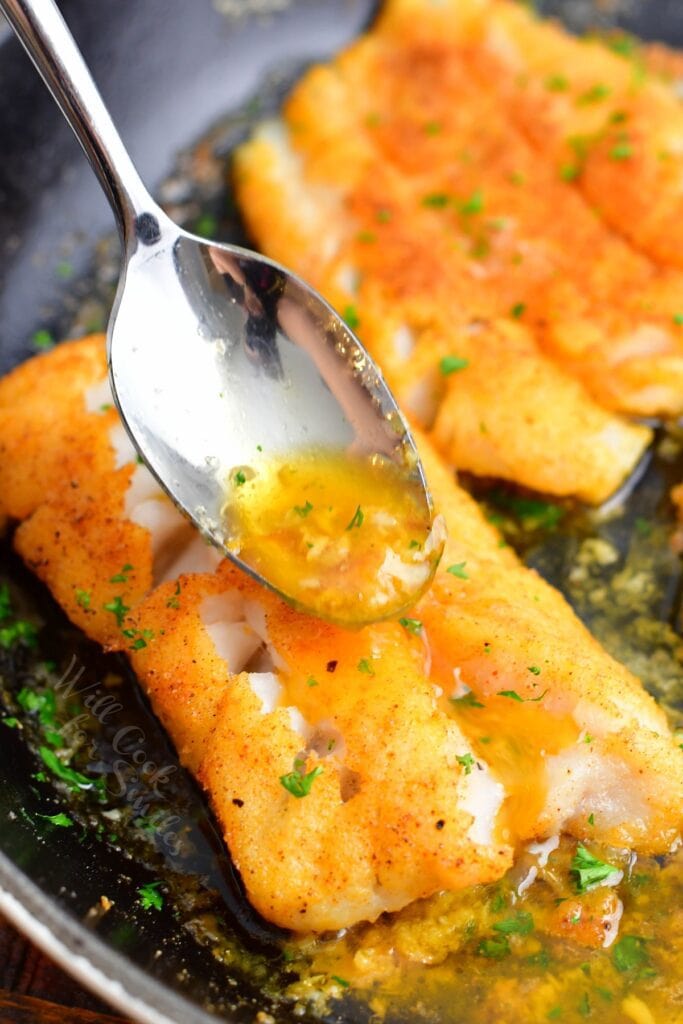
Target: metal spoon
214	349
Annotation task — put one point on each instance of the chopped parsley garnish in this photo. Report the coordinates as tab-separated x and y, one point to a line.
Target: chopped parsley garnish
437	200
19	632
452	364
383	216
569	172
299	785
468	700
173	601
494	949
518	310
357	519
643	527
312	681
678	319
350	316
589	870
475	203
458	569
11	722
513	695
60	819
466	761
591	819
206	226
239	478
365	666
432	127
621	151
83	598
122	577
624	45
44	703
584	1006
118	609
556	83
303	510
65	269
532	512
340	981
521	924
593	95
413	626
554	1013
42	340
150	896
630	953
75	779
534	669
366	237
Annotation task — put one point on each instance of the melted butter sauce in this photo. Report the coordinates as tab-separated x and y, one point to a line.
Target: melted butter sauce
349	538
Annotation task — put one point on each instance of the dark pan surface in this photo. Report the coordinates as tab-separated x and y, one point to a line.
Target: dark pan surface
169	70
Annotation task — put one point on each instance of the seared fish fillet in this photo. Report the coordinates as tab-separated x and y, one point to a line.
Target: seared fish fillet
404	797
406	182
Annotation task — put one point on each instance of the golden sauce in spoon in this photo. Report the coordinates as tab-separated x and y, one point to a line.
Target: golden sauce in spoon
347	538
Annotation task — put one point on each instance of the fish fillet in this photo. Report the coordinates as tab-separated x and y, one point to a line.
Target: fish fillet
403	182
409	800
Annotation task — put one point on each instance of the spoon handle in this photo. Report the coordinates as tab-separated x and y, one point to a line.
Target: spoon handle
50	45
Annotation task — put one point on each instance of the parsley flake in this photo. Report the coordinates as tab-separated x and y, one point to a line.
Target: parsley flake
437	200
621	151
535	670
468	700
299	785
589	870
413	626
593	95
466	761
452	364
365	666
513	695
303	510
150	897
458	569
83	598
351	318
630	953
521	924
518	310
122	576
569	172
42	340
19	632
357	519
239	478
312	681
118	609
60	819
475	203
494	949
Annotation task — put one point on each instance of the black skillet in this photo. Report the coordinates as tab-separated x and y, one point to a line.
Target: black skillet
169	70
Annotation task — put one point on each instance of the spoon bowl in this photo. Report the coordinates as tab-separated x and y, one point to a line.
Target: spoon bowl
220	358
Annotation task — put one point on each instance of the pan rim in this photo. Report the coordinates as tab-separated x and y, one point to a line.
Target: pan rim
86	957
